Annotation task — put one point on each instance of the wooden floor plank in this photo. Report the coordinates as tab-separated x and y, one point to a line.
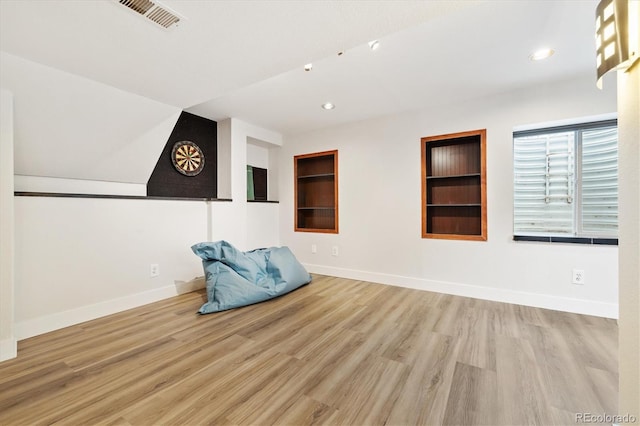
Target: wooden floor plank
473	397
562	374
305	411
478	346
604	383
371	393
521	397
423	398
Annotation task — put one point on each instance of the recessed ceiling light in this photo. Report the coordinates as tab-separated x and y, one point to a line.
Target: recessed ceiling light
541	54
374	44
308	67
328	105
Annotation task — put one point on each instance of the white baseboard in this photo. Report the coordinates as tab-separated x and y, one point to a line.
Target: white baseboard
565	304
47	323
8	349
196	283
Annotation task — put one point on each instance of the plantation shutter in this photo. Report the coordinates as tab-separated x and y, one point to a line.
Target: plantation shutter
544	173
599	191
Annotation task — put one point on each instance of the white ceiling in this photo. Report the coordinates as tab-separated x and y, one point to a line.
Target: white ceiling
244	58
477	51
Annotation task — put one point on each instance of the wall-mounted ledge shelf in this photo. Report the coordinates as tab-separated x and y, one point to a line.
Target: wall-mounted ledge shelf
263	201
109	196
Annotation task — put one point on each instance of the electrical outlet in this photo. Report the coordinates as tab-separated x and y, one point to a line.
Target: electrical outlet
578	276
334	250
314	248
154	270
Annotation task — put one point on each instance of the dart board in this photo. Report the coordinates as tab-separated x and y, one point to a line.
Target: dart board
187	158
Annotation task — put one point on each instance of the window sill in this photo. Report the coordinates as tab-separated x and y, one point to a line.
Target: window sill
570	240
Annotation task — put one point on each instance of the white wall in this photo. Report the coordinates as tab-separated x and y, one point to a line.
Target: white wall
8	345
78	259
629	323
263	225
224	158
257	155
77	186
379	199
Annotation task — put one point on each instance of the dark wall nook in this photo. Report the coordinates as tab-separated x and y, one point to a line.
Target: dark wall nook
167	181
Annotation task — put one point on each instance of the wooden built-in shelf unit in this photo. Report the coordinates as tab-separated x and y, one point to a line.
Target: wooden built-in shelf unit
454	188
316	192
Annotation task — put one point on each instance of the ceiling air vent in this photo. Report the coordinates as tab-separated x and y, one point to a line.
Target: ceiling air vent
153	11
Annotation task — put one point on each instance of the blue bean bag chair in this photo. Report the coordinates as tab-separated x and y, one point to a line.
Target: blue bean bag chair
235	278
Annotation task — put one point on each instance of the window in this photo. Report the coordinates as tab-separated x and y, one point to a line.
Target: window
566	181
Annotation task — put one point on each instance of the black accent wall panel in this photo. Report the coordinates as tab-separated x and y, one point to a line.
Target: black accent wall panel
166	181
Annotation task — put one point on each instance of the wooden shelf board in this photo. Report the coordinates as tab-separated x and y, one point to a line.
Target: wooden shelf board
323	230
454	176
455	205
456	237
318	175
316	208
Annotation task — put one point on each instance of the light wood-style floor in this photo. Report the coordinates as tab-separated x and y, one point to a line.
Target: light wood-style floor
334	352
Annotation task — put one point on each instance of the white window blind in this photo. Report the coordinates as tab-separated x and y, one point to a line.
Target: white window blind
565	181
599	192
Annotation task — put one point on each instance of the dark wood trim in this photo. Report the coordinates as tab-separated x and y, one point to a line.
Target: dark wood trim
310	177
483	182
109	196
429	182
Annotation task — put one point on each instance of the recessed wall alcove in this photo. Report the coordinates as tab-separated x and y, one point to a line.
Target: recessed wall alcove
262	157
